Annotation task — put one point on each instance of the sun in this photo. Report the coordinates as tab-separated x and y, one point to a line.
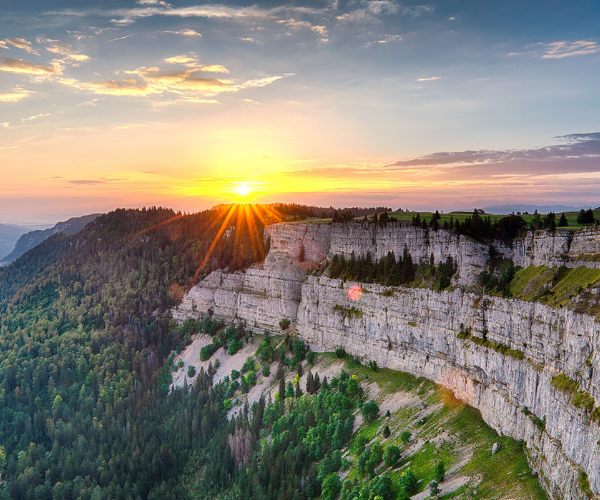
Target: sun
242	189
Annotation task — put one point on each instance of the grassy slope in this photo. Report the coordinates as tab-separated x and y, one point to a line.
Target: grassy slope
453	432
559	287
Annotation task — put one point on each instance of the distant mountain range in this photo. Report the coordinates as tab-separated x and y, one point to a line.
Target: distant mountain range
542	209
31	239
9	235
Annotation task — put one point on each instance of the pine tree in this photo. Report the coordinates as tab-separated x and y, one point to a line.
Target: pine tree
563	222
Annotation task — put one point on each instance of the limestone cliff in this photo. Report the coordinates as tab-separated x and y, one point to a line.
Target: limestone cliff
561	248
418	330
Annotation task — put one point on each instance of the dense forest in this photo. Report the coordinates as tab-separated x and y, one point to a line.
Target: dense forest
390	271
85	333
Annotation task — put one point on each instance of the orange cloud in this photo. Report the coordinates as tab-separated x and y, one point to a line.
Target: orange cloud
12	65
15	96
19	43
184	81
129	86
180	59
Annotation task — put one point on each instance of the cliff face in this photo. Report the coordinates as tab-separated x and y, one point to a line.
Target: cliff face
561	248
416	330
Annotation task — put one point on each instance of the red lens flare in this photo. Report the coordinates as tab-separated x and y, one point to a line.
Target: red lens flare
355	292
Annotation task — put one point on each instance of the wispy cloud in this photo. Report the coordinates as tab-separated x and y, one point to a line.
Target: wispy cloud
126	87
19	43
373	10
431	78
250	40
180	59
120	38
559	50
91	182
583	146
210	11
16	95
89	103
184	32
384	39
34	117
162	3
63	49
297	25
12	65
262	82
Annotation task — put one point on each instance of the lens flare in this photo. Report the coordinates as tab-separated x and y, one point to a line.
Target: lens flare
355	292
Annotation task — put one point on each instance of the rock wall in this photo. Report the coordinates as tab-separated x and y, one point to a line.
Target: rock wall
562	248
309	244
415	330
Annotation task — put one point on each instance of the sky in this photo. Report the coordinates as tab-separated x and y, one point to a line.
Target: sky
449	104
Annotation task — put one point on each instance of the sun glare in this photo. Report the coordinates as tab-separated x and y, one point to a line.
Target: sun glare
242	189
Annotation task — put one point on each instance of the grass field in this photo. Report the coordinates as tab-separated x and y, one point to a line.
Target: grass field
461	216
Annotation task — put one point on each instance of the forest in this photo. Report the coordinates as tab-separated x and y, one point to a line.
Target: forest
85	335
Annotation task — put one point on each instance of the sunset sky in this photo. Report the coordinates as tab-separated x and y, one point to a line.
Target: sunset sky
364	102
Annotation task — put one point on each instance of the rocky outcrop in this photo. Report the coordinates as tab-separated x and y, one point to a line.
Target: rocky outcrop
554	249
416	330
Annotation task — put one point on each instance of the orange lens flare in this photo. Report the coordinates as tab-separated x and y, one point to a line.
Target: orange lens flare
355	292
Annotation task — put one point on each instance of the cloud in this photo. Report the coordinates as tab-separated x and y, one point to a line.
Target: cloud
374	9
12	65
208	68
184	32
415	11
180	59
582	147
428	79
192	63
126	87
183	82
371	11
16	95
63	49
203	11
296	25
385	39
559	50
19	43
4	124
89	103
262	82
123	22
120	38
34	117
154	2
91	182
